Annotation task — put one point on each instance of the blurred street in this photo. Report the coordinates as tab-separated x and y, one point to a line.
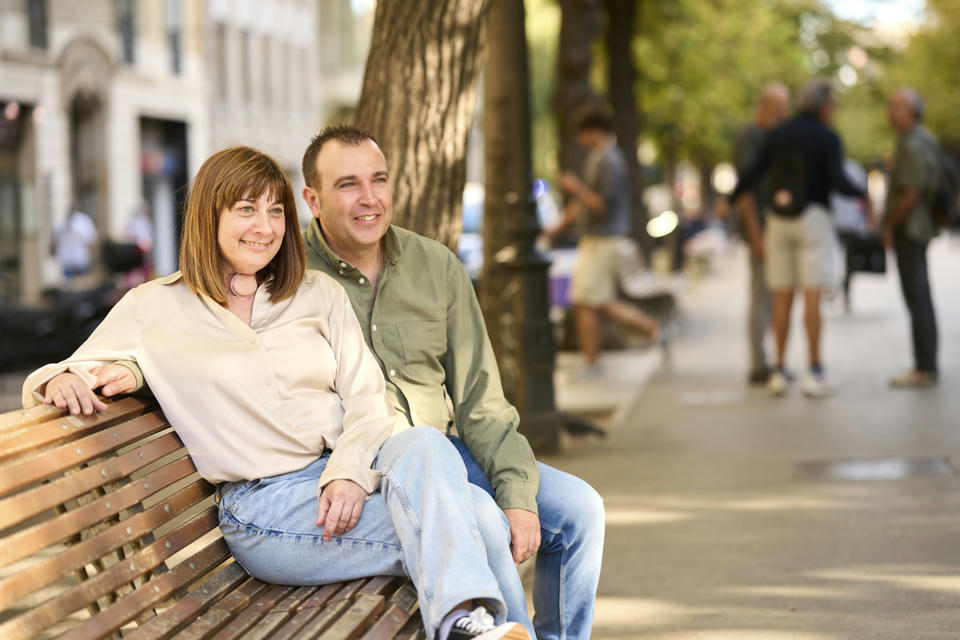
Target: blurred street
723	519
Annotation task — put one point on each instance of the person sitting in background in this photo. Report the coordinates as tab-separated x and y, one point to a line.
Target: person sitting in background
73	244
261	368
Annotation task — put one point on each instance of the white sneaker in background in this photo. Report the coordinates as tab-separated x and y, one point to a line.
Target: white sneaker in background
777	383
815	383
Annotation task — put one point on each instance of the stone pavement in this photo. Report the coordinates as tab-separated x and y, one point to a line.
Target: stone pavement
723	520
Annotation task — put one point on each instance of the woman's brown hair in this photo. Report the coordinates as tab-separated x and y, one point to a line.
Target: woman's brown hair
237	173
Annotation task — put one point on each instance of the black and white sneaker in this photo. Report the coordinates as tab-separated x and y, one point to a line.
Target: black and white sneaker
479	625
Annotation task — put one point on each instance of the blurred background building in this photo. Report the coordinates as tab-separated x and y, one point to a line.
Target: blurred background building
107	104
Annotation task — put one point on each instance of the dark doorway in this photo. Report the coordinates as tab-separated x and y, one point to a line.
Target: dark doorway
163	164
15	120
88	157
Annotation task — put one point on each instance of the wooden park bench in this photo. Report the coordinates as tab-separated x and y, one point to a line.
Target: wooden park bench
107	531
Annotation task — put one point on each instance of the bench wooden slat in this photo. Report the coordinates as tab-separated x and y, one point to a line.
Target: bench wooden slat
22	418
255	611
67	427
339	603
28	503
413	630
219	614
402	605
59	607
350	623
49	571
310	608
276	617
25	470
152	592
197	599
27	541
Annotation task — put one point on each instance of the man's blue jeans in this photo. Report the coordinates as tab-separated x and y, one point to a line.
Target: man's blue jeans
425	521
571	550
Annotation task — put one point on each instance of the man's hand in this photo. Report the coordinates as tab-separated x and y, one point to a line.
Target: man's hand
887	237
757	250
341	503
69	391
524	533
569	182
869	215
113	379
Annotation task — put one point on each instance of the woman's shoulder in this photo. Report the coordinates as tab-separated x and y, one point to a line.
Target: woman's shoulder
162	289
318	283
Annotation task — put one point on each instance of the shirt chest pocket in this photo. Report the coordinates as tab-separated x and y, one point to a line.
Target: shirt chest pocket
422	343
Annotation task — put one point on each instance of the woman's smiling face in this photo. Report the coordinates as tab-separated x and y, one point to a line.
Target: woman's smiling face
250	233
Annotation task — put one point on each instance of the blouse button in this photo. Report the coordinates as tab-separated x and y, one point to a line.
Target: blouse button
373	328
362	280
393	372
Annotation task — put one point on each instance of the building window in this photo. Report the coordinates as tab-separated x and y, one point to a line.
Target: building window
37	16
174	36
245	70
220	45
267	68
125	26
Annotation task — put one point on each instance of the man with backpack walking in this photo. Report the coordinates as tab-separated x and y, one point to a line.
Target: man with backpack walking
805	161
909	225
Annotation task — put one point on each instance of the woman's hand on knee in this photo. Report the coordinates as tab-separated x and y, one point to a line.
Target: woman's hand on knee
341	504
68	391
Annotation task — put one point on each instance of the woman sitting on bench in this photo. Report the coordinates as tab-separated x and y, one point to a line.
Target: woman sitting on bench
261	368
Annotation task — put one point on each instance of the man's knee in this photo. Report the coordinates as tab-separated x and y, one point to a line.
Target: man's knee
421	442
569	503
491	520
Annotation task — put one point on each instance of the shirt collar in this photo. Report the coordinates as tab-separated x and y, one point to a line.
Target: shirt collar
392	246
173	278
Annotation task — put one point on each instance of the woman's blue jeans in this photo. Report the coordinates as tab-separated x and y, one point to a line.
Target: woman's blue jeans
571	550
426	522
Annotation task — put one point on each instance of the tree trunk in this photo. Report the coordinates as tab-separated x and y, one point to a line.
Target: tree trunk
578	27
514	285
622	81
418	97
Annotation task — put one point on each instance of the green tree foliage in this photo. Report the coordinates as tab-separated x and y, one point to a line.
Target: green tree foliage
929	64
704	62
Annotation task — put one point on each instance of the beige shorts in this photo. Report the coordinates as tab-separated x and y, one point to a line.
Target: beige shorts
799	251
601	262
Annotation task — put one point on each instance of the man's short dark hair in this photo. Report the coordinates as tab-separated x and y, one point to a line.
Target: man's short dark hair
593	117
815	96
342	133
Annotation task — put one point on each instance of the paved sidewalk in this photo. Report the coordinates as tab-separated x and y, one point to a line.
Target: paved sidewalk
721	519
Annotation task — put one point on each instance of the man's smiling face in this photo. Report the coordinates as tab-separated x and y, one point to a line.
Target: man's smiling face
353	202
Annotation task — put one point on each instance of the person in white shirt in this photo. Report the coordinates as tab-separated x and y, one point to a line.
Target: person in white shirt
74	241
261	368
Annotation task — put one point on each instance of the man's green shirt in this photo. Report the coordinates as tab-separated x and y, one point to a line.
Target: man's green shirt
424	326
915	166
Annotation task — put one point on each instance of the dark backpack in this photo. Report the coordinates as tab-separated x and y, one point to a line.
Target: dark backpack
945	198
788	184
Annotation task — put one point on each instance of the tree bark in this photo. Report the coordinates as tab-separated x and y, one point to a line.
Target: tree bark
578	27
622	81
418	97
513	289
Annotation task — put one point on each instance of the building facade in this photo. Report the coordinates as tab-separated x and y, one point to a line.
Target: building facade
106	105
